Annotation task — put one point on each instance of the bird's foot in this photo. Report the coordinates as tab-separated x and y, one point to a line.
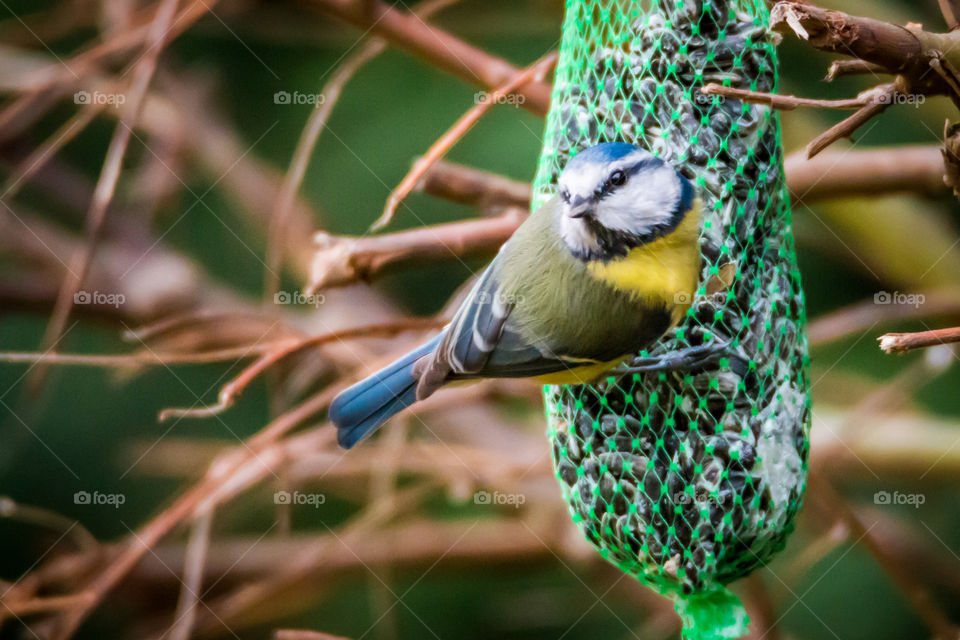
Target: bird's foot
691	358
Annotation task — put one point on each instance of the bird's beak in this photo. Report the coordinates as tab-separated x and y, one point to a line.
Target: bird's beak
579	208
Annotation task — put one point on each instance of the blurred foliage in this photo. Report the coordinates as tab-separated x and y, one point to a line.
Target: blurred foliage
390	113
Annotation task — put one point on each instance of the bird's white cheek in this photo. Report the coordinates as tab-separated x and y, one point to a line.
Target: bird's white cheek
576	235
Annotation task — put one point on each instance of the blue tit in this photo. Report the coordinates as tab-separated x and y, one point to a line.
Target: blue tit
599	272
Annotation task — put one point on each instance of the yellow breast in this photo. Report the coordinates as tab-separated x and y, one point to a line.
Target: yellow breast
664	270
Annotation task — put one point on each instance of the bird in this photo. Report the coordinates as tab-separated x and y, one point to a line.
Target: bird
599	272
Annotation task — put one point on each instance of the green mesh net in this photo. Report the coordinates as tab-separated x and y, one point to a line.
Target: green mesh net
689	480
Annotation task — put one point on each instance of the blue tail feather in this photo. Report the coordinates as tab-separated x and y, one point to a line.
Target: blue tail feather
359	410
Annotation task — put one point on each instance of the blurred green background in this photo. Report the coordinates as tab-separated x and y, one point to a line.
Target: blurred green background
84	424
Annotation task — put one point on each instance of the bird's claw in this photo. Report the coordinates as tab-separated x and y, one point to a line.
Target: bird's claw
682	360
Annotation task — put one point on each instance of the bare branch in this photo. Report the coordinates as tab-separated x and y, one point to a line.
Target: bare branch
109	176
228	476
891	46
779	101
951	13
457	131
866	172
191	586
847	173
308	139
840	68
847	127
475	187
343	260
230	391
437	47
904	342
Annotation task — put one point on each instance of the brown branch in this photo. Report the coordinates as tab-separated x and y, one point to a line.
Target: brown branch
893	47
475	187
36	101
68	528
840	68
924	63
439	48
343	260
904	342
57	140
230	391
869	103
779	101
191	586
227	476
133	359
904	577
951	13
863	316
839	174
278	226
331	91
457	131
848	173
865	172
109	176
846	127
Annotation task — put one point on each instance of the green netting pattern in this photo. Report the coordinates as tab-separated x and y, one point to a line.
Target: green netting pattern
689	481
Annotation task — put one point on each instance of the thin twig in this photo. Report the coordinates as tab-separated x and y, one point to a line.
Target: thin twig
67	527
57	140
475	187
107	183
841	68
454	133
245	466
443	50
846	127
194	562
230	391
951	13
869	104
331	91
871	172
191	320
778	101
915	592
147	357
23	111
904	342
342	260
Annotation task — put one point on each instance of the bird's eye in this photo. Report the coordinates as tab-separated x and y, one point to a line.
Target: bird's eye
618	178
565	195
